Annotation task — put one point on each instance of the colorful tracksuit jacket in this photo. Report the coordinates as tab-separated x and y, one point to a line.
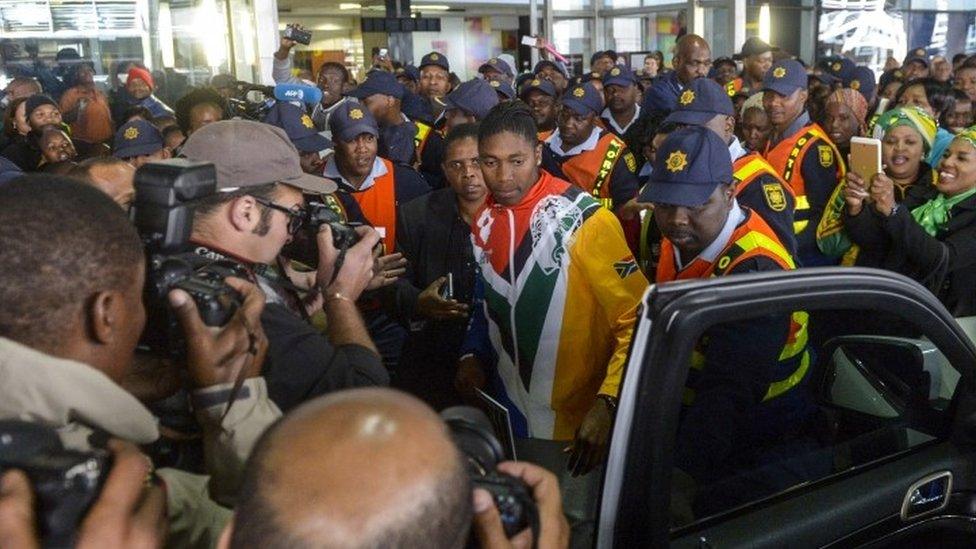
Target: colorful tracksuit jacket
560	292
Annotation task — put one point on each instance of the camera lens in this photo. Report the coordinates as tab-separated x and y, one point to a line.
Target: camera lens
473	434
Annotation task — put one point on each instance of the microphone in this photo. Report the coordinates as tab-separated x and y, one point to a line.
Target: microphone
309	95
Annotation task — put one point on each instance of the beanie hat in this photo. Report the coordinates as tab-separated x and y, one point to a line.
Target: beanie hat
142	74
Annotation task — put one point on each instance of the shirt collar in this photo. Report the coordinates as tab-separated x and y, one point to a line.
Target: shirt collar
332	172
710	253
608	116
736	150
556	143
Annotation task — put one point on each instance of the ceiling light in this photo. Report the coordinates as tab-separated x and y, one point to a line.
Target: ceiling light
350	6
435	7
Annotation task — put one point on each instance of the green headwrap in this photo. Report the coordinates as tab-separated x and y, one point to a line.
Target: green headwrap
913	117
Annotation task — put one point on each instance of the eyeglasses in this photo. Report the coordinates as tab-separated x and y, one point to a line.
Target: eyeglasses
296	214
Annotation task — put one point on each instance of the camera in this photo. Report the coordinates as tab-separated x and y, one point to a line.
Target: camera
301	36
251	101
166	193
321	211
472	433
65	482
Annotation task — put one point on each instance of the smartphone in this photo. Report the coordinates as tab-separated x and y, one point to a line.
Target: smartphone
882	105
384	53
865	159
301	36
446	291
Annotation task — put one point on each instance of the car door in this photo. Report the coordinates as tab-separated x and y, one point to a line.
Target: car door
892	382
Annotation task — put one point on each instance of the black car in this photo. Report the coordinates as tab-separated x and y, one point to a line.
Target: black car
888	460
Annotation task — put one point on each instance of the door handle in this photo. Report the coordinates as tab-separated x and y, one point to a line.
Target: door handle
927	495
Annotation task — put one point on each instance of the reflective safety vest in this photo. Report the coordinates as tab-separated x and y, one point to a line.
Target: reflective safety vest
379	205
733	87
748	168
545	134
420	138
787	158
591	170
752	238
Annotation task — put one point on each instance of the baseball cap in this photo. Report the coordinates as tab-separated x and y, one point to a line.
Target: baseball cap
351	120
824	77
416	108
409	71
547	63
137	138
37	100
690	163
842	68
583	99
298	127
917	54
378	82
619	76
753	46
437	59
701	101
503	87
785	77
864	82
498	65
538	84
247	153
475	97
608	53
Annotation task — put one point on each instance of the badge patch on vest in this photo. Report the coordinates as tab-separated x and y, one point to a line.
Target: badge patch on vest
625	267
826	155
775	198
631	161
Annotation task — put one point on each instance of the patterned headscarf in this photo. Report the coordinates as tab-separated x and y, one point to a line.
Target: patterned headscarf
913	117
969	135
855	101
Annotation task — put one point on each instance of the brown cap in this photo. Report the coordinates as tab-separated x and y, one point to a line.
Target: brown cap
248	153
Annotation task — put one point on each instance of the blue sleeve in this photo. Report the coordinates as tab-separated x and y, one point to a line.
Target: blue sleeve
409	184
623	182
476	341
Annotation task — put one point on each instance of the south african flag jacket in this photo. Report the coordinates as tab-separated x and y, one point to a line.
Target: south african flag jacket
560	290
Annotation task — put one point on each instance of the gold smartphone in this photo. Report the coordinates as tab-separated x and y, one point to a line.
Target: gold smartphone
865	158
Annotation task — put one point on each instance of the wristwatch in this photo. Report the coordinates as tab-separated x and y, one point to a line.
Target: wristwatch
610	401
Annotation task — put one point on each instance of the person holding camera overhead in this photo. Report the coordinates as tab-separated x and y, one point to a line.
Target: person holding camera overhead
71	314
258	209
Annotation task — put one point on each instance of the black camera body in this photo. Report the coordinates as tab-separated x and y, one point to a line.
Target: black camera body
301	36
303	247
163	211
472	433
66	483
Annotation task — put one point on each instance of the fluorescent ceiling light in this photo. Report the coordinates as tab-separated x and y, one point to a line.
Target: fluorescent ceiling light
350	6
435	7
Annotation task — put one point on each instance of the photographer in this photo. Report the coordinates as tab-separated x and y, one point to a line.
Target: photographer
71	314
307	484
258	209
330	79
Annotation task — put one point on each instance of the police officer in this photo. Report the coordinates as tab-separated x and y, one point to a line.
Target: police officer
435	80
621	94
594	159
301	132
138	142
498	69
802	153
504	89
554	72
756	57
470	102
409	77
540	95
745	392
756	183
377	184
382	95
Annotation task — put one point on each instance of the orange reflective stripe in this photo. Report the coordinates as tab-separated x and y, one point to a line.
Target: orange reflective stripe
590	170
379	204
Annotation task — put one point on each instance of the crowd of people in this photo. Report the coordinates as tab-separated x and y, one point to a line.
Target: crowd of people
507	228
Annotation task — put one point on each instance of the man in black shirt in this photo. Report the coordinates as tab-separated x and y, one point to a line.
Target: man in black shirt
255	212
434	235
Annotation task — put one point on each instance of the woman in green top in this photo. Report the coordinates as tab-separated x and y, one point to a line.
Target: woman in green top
929	235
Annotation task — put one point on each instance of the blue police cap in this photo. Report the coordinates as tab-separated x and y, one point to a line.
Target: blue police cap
475	97
584	99
378	82
700	102
298	127
864	82
498	65
619	76
436	59
917	54
136	138
416	108
409	71
842	68
554	64
503	87
350	120
690	163
824	77
785	77
538	84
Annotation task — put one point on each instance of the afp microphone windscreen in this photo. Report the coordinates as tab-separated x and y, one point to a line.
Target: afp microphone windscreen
309	95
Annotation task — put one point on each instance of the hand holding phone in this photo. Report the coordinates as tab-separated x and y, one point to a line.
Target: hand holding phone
865	158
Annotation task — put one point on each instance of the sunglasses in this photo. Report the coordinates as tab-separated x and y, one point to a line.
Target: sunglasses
296	214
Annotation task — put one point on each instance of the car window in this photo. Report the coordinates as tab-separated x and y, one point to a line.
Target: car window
772	402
